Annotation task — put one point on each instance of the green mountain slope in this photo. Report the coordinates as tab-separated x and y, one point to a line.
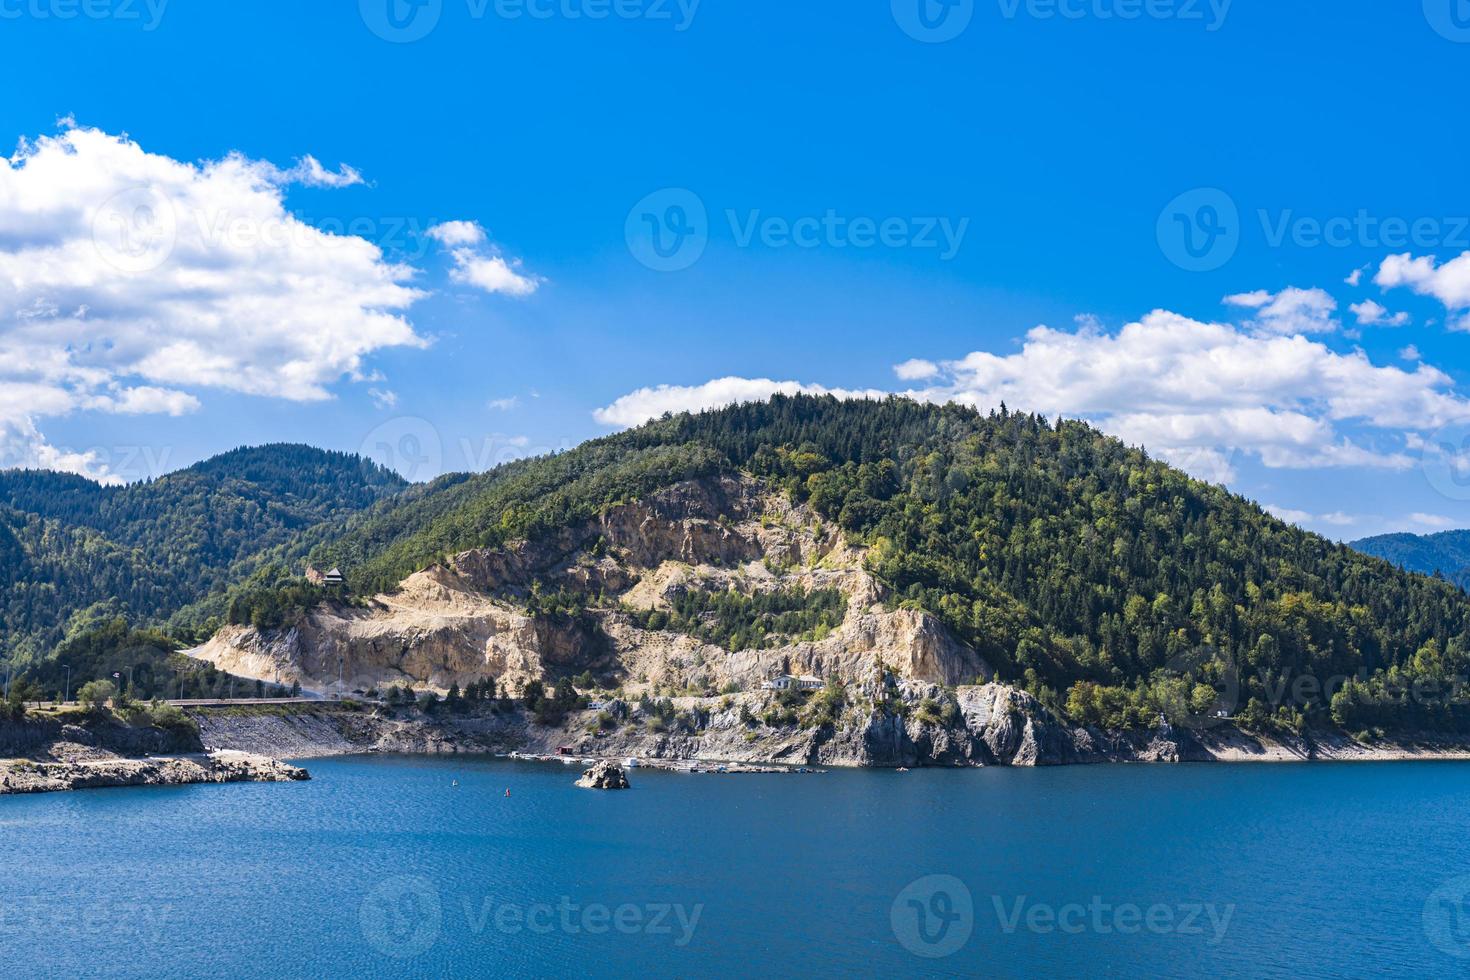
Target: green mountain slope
1076	565
1446	553
148	548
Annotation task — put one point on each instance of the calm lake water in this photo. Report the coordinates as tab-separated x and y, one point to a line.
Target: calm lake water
382	867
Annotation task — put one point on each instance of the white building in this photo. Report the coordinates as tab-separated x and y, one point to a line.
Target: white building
787	682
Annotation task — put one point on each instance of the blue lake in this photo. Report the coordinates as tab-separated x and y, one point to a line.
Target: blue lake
381	866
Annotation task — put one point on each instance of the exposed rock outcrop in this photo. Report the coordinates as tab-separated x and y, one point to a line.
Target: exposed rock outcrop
604	775
215	767
467	619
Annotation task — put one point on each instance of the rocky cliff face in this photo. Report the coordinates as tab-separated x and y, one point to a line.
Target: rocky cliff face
466	619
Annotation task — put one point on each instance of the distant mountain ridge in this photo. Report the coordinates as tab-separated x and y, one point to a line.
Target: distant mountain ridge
146	549
1445	552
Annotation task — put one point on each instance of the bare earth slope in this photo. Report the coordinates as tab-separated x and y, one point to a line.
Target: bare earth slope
465	620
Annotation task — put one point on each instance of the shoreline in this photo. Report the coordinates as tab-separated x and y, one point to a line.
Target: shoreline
323	730
28	776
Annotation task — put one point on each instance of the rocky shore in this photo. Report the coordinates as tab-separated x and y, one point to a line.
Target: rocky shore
28	776
64	750
994	725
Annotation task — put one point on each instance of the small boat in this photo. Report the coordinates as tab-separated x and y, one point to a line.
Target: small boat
902	769
630	763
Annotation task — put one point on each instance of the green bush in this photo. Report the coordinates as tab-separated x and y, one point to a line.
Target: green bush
93	695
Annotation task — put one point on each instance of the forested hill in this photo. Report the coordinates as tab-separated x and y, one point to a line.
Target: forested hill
145	549
1447	553
1064	557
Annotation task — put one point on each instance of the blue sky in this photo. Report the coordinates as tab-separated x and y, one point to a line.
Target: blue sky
1048	138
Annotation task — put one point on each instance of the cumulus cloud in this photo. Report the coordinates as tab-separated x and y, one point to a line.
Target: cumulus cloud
1184	387
309	172
480	264
916	369
1372	314
1291	311
130	276
1307	519
503	404
457	233
650	403
1449	283
1201	395
382	398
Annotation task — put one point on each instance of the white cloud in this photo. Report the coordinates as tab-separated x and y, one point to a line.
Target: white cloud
1449	283
479	264
1372	314
1354	278
1432	521
1291	311
129	276
1198	394
916	369
1253	300
457	233
650	403
1410	353
383	399
493	274
309	172
503	404
1289	515
1185	388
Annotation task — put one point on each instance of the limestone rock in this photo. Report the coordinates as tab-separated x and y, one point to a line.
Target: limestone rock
604	775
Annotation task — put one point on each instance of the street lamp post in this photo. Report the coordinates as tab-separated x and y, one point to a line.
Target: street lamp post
66	691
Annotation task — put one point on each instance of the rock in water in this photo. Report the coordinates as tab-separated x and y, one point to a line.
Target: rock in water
604	775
